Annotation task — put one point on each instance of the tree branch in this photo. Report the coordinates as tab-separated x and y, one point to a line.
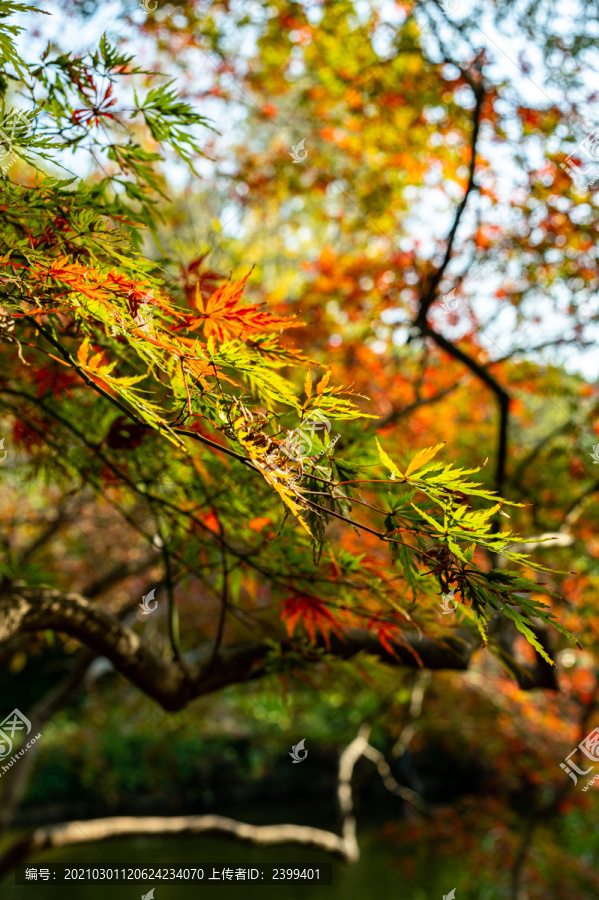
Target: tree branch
172	684
345	845
71	833
431	290
503	398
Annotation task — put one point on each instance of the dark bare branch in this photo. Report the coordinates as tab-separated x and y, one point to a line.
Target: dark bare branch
433	282
502	396
173	684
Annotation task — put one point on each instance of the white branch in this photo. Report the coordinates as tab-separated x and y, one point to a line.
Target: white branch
70	833
389	781
345	845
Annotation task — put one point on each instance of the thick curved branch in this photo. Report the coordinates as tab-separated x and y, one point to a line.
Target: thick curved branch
174	684
345	845
71	833
31	609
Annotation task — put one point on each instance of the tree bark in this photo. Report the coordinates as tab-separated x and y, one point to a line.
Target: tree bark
174	684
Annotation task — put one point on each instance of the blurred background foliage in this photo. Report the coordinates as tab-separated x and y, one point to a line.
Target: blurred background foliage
348	240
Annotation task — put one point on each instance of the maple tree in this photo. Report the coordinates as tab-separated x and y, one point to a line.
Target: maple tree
152	394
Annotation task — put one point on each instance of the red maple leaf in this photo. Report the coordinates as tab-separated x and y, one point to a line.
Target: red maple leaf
312	613
99	104
386	632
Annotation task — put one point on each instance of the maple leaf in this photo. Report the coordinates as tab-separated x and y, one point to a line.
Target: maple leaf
312	614
386	632
211	522
422	457
98	107
279	481
92	364
388	462
99	370
224	317
206	280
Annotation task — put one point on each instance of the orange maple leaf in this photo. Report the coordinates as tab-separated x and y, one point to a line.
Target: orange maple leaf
223	316
259	523
91	363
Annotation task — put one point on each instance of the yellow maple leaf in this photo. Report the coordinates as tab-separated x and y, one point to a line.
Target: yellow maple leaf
323	382
388	462
422	457
308	386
